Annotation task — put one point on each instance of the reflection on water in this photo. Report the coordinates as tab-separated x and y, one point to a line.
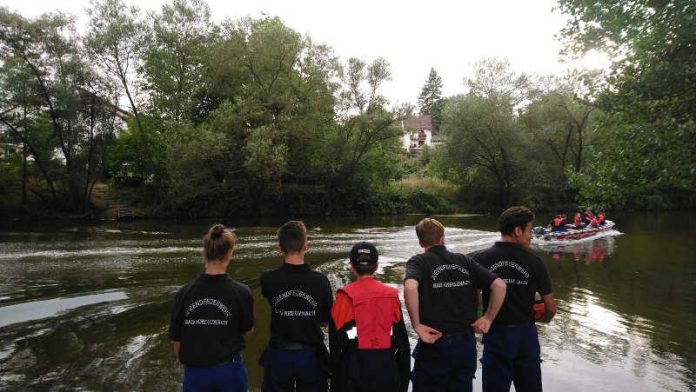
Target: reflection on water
87	307
29	311
585	250
607	346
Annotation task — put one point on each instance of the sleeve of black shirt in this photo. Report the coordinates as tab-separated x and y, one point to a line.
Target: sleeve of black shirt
482	276
544	280
328	301
262	281
335	355
403	354
480	257
176	317
248	311
413	270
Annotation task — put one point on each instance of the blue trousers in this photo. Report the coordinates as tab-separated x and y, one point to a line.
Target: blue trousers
449	364
225	377
511	354
292	371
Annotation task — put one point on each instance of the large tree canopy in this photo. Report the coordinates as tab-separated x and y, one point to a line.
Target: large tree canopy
650	154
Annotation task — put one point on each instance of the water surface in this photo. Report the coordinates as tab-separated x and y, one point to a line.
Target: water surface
86	306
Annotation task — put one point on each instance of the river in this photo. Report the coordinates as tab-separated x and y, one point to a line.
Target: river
85	306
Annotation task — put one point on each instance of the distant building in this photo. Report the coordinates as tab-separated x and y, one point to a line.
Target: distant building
418	132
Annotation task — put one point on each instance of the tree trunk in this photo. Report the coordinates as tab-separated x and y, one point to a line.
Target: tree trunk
24	160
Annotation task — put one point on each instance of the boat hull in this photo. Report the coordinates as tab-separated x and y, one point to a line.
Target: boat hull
576	234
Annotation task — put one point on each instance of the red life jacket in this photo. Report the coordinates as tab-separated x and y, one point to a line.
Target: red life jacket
577	220
376	307
557	222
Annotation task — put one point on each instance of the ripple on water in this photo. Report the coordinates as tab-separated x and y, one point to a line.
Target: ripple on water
35	310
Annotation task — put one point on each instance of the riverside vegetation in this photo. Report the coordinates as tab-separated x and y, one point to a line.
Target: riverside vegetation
183	116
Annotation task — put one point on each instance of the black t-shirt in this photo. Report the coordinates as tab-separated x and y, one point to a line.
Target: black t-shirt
300	300
209	317
447	288
523	272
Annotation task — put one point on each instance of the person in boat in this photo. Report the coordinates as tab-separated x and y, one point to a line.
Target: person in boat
588	216
594	222
511	351
441	293
578	222
601	220
296	358
558	223
367	336
210	318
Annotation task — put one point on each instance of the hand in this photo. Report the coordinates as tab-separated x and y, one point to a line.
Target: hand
427	334
482	325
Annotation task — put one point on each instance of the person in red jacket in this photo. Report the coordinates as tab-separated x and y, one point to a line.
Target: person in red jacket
588	216
558	223
601	220
577	221
367	335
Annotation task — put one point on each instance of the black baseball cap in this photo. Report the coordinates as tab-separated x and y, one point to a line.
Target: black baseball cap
363	253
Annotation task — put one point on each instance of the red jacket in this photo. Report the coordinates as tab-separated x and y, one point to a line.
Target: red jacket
364	317
375	309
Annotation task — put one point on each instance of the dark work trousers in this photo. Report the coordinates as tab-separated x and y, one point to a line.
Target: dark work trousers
511	354
292	371
449	364
367	371
225	377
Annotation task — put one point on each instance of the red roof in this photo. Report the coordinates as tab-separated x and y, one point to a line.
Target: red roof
419	122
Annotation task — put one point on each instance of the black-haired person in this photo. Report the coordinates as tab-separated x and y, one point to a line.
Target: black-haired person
511	352
367	335
300	298
441	293
209	319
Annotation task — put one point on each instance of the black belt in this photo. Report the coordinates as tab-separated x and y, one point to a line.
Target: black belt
457	336
290	346
513	325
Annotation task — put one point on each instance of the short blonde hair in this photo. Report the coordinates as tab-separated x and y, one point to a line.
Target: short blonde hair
430	231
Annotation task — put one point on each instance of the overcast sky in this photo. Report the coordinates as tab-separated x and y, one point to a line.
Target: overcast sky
413	36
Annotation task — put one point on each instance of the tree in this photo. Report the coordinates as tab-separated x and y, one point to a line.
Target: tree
65	99
174	57
651	124
114	41
364	121
430	98
483	138
564	119
363	143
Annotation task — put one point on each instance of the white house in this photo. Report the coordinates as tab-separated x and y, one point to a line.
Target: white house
418	131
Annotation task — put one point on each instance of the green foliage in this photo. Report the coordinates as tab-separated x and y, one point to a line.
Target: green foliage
649	157
53	101
174	57
430	99
481	130
127	160
266	159
425	195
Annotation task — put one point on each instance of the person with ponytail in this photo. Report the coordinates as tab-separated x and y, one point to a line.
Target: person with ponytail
210	318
